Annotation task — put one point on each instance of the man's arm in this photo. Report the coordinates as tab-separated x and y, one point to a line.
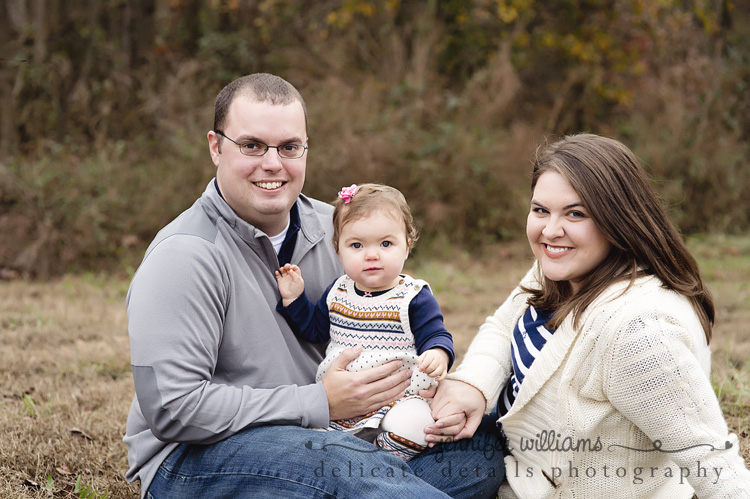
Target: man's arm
177	311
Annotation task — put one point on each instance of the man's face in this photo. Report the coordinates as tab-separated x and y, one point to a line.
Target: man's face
260	189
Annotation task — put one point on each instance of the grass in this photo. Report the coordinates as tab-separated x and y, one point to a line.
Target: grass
725	262
65	382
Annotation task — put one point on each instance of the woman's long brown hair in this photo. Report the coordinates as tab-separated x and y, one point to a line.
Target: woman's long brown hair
619	198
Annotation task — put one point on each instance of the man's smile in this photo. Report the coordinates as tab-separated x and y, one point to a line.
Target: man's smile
269	185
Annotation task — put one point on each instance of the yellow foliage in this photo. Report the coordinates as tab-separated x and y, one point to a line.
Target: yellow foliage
507	13
510	11
344	16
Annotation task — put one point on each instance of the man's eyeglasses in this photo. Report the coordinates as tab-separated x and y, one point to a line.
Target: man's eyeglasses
255	148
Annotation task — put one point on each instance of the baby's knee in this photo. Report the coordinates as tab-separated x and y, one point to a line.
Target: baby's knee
408	418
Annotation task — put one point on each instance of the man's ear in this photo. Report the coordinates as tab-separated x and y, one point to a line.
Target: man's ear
214	147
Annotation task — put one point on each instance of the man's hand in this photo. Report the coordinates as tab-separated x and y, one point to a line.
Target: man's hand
458	409
352	394
291	284
434	362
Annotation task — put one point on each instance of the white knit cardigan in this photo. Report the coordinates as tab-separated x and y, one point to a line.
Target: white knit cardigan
600	400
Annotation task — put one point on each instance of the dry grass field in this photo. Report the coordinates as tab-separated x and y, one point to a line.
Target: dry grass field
65	382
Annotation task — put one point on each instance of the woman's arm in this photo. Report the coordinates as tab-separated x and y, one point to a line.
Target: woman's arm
487	364
655	379
473	389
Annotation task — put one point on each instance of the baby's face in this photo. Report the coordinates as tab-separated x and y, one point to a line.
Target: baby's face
373	250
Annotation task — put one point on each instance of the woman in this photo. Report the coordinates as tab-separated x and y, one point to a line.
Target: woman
598	363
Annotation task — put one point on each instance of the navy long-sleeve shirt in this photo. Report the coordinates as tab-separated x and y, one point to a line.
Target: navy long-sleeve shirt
310	321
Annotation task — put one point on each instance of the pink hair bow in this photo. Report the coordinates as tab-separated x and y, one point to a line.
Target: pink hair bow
347	193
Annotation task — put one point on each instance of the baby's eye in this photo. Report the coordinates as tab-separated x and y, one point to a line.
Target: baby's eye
386	244
356	245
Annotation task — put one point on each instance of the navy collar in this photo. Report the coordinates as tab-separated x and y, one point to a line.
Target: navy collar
216	184
287	247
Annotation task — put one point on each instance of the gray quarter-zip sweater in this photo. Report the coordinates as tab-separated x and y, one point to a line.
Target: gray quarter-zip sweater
210	355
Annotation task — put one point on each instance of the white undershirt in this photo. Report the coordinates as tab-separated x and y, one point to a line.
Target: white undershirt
279	238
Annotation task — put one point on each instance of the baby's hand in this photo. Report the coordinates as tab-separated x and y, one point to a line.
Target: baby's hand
434	362
291	284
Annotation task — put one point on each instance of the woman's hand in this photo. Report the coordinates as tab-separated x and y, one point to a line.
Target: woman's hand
457	409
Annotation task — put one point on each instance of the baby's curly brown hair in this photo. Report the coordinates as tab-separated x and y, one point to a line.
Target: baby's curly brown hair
371	198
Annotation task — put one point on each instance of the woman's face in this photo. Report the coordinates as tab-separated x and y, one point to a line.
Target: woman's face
562	235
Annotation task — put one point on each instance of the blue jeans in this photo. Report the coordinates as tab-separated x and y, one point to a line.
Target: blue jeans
292	462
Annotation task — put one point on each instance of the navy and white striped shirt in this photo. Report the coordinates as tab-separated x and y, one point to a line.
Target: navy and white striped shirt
529	336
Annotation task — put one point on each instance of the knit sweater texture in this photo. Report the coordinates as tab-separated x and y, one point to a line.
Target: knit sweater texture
380	324
620	407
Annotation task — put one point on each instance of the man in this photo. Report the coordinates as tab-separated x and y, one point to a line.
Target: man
225	393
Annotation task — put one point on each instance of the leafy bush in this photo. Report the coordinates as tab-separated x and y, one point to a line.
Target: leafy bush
104	108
